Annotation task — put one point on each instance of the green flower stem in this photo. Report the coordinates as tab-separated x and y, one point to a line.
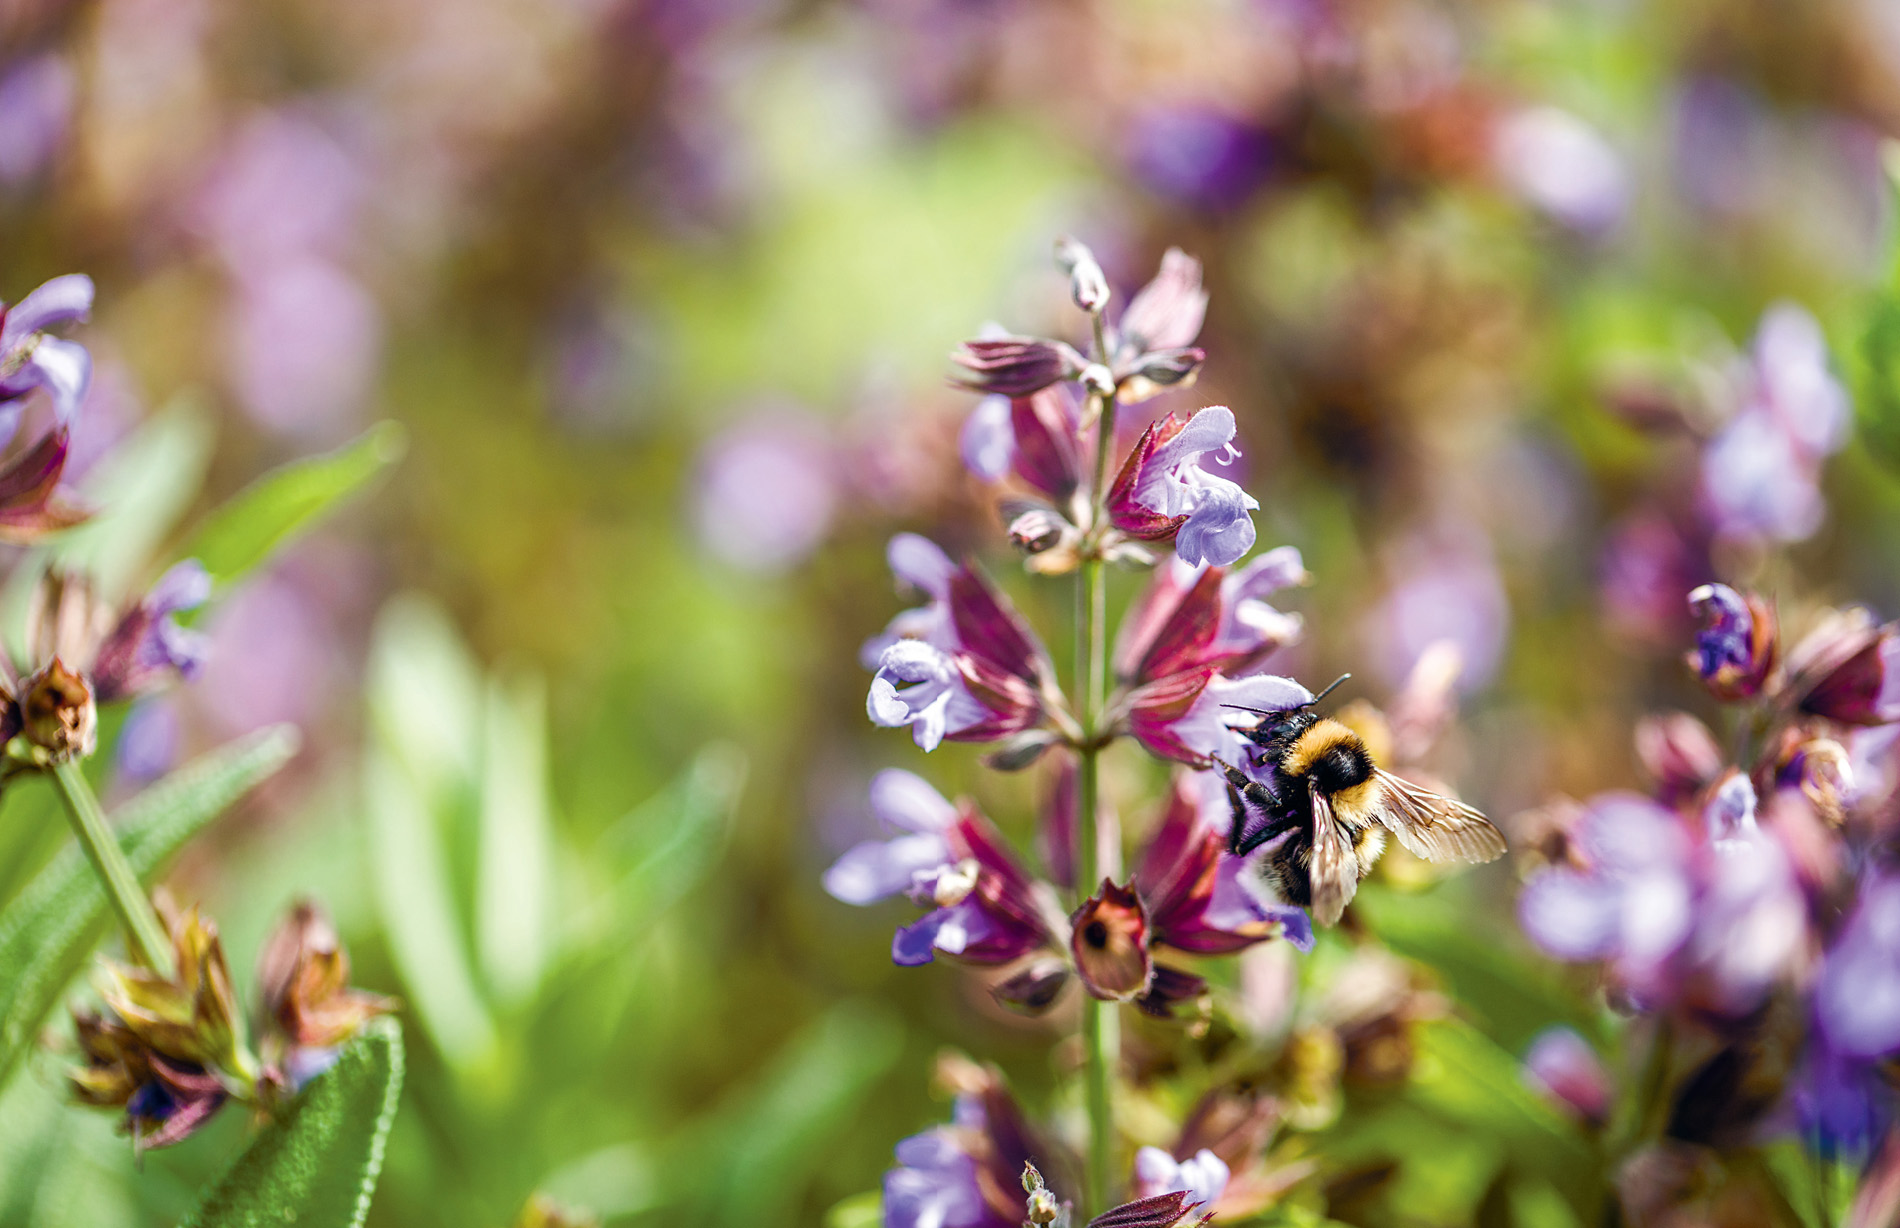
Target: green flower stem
1098	852
145	937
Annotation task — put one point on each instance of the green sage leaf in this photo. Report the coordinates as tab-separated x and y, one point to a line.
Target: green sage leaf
316	1166
46	935
273	510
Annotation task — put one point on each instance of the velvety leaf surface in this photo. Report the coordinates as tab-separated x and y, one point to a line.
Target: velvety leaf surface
316	1166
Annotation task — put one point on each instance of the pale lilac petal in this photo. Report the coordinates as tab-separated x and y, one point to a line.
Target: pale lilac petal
1209	429
766	491
59	301
988	442
1750	923
935	1187
1800	391
1265	692
878	868
1204	1177
1571	916
1235	905
906	801
1280	567
1755	484
921	563
1564	167
63	368
1219	530
184	586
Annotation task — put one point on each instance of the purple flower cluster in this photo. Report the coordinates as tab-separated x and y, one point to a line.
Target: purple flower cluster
1739	894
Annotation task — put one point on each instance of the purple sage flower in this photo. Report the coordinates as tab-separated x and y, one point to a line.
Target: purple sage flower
1164	494
1563	167
1203	1178
1196	897
766	492
1761	474
1563	1066
1737	646
1198	156
964	667
30	359
148	647
984	909
36	99
967	1174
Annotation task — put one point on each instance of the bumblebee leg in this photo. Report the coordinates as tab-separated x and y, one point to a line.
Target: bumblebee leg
1248	787
1241	840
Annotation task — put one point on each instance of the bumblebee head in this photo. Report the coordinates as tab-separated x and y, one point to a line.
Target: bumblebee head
1281	714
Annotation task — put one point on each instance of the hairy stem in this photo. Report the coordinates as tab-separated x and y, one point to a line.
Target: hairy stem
145	936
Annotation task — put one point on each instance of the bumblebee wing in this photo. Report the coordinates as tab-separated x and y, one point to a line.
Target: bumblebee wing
1433	826
1333	869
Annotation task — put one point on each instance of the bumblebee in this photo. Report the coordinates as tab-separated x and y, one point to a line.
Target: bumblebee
1335	806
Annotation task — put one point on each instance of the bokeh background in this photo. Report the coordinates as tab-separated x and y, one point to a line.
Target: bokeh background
661	292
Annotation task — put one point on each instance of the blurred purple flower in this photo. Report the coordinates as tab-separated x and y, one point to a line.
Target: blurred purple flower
284	190
965	666
1845	1102
303	343
1857	1001
1563	1066
1848	670
1564	167
1197	156
988	441
1673	920
967	1174
36	109
1631	907
149	741
1444	587
1718	145
766	491
1761	474
1203	1178
1645	567
1163	493
1737	645
148	646
272	657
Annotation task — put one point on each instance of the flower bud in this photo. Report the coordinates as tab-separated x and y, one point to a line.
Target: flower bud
1679	753
1161	369
1038	529
1736	648
1822	769
1109	939
1088	286
1035	988
1015	366
57	712
1729	816
304	977
1850	671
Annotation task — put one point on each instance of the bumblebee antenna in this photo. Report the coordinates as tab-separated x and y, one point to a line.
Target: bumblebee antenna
1309	703
1330	688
